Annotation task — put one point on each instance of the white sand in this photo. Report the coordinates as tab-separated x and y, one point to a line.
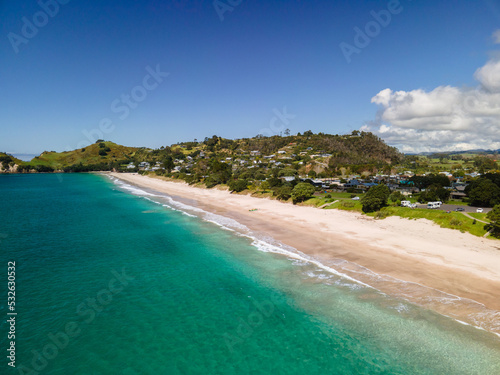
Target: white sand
411	250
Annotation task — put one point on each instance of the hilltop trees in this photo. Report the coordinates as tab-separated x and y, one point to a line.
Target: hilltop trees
375	198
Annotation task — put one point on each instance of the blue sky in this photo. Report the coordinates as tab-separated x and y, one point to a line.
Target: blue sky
233	69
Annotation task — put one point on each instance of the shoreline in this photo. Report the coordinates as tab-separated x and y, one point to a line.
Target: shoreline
455	274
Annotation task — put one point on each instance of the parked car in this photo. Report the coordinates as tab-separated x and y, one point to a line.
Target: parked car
459	209
479	210
355	199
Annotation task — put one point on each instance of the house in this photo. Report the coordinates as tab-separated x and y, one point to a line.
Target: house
255	153
131	165
352	183
317	183
458	190
282	152
368	185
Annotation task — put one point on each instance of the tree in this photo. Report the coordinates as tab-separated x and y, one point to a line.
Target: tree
168	164
434	193
375	198
264	185
283	193
301	191
484	193
238	185
396	196
287	172
494	216
274	182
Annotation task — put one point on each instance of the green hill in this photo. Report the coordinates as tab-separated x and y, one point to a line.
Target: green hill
97	154
321	153
8	161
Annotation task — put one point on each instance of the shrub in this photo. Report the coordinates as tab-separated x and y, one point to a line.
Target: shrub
494	216
381	215
396	196
455	222
211	181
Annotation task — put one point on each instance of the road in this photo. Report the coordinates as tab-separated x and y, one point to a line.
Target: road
452	207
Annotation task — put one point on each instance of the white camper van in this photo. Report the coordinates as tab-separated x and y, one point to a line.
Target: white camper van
434	205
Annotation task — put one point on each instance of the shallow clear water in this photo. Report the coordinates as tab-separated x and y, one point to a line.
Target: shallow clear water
145	289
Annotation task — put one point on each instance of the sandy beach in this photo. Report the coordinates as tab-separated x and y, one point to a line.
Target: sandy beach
456	274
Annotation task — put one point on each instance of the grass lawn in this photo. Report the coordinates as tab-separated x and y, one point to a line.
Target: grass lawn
480	216
317	201
346	205
453	220
457	202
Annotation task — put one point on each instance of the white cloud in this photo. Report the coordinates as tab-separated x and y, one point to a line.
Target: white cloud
489	76
446	118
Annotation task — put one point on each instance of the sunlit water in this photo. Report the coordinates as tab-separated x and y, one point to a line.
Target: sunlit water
112	279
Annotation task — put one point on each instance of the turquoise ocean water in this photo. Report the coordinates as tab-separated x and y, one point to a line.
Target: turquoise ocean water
112	279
